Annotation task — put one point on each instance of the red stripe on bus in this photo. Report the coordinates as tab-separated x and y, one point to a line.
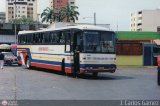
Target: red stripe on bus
68	70
46	66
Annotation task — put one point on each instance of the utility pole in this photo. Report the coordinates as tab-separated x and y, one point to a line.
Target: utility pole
15	26
38	21
94	18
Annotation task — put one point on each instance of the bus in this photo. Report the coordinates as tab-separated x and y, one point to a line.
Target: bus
75	49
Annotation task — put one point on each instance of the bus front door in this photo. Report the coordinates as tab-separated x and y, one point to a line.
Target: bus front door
77	50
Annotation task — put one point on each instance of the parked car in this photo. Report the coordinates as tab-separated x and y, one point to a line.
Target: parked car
9	58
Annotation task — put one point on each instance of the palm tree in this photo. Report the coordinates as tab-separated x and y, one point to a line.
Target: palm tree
48	15
69	13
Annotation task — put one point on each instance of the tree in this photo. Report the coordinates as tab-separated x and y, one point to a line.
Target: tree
24	20
69	13
48	15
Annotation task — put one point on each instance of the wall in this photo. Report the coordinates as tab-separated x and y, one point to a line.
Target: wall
150	20
129	60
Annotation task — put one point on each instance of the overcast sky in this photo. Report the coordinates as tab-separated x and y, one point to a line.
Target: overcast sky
114	12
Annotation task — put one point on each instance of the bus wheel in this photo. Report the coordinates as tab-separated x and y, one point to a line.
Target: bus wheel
19	64
95	74
28	64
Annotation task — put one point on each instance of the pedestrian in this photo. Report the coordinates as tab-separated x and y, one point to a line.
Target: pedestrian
1	60
158	70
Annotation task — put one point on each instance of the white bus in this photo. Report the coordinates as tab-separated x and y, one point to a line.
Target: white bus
72	49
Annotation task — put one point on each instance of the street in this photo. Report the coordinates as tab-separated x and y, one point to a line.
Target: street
17	83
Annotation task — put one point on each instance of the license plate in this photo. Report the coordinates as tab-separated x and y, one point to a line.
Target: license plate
101	68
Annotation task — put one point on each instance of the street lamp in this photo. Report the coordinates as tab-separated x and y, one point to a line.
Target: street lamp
94	17
38	21
15	26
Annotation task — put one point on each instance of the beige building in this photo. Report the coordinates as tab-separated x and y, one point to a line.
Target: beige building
18	8
145	20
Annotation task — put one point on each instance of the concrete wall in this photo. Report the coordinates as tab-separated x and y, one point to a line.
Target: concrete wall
150	20
7	38
145	20
129	60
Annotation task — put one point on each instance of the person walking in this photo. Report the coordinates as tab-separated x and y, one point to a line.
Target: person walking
1	60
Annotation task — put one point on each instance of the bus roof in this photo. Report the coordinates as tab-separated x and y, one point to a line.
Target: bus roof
81	27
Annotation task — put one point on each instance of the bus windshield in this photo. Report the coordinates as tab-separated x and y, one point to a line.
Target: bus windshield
98	41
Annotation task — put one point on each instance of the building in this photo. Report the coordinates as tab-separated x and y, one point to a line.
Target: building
145	20
158	29
61	3
7	31
137	48
27	8
2	17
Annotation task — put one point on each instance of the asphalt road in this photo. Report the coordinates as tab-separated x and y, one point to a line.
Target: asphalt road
17	83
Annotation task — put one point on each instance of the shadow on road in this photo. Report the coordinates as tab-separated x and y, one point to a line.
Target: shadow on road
85	76
104	77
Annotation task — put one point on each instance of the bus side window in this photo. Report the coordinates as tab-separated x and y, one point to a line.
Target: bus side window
19	39
62	38
34	38
68	37
57	37
51	37
41	38
23	39
46	38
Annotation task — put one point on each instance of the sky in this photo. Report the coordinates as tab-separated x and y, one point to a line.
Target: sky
113	12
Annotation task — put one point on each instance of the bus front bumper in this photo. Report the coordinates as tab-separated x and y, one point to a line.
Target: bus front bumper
110	70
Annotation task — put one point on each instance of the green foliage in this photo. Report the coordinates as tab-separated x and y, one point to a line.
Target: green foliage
70	13
67	13
47	15
24	20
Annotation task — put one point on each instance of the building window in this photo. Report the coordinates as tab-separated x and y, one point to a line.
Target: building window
72	2
139	29
158	29
139	24
140	12
30	4
140	18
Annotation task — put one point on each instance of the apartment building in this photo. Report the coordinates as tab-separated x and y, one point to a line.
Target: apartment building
61	3
145	20
17	8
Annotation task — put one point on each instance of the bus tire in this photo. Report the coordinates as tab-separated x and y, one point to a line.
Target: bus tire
19	64
28	64
95	74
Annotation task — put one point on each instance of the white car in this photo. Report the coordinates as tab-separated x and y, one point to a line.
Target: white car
9	58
